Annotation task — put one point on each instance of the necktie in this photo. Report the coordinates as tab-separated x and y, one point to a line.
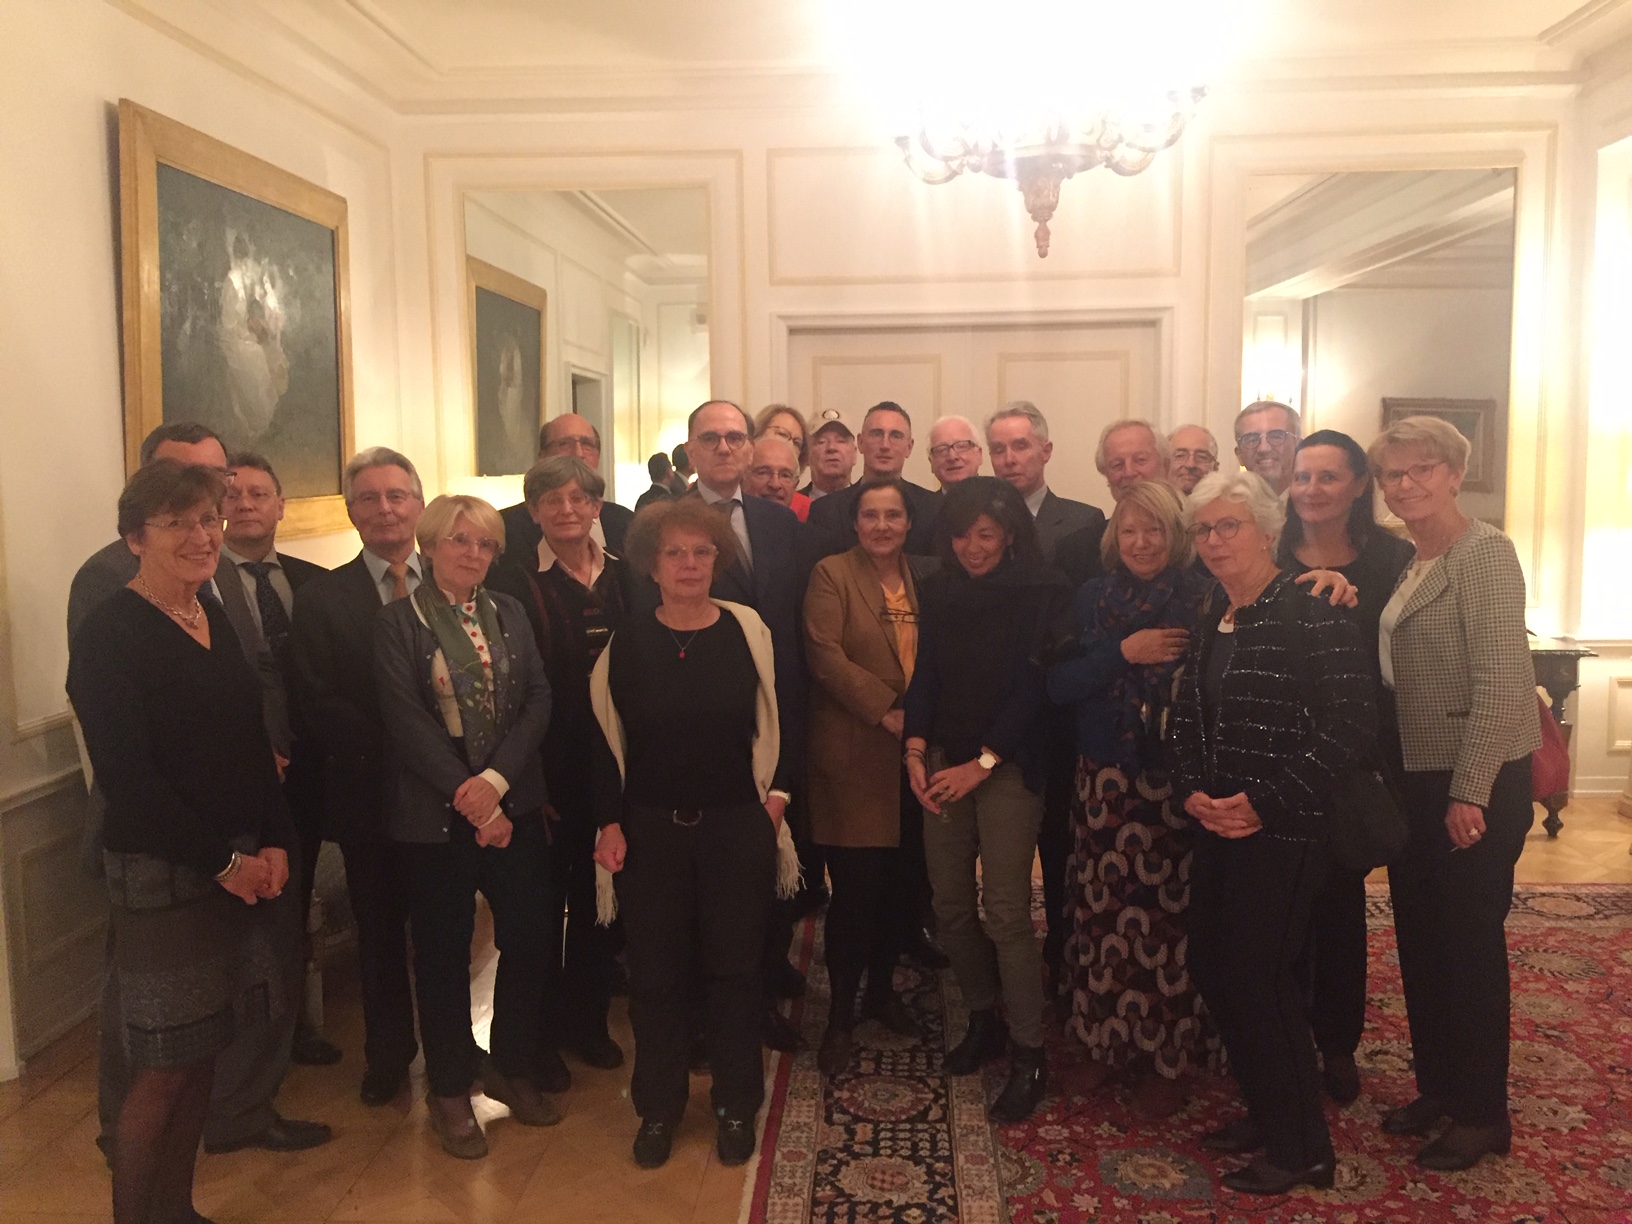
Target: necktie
274	616
399	579
728	507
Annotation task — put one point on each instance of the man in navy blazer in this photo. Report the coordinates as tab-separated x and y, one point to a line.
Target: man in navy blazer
886	441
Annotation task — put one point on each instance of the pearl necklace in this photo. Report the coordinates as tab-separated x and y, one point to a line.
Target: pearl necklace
191	621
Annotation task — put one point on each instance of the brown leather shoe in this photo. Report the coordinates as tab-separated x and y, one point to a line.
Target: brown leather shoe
527	1104
456	1127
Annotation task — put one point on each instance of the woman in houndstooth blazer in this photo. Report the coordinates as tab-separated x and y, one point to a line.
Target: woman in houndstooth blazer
1453	653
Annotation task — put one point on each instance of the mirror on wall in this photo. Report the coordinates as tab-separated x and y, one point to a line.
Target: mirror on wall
618	281
1372	295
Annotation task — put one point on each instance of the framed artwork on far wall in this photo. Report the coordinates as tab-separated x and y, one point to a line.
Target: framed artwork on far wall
507	366
1475	419
236	308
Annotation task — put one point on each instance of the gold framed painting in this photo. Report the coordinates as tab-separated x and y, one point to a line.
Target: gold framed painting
507	320
236	308
1477	420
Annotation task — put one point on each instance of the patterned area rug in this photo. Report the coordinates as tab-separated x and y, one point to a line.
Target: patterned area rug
895	1140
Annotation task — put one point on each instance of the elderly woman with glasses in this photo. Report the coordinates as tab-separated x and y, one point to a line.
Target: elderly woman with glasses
196	831
1275	706
576	594
685	695
465	704
1461	724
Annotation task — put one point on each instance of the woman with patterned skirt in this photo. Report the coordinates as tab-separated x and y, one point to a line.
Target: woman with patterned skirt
1132	1002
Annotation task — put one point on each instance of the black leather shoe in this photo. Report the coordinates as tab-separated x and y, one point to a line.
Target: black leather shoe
1261	1177
653	1143
833	1057
809	900
1028	1080
1462	1146
785	982
284	1135
1418	1118
735	1140
381	1087
1340	1078
600	1052
983	1041
777	1031
311	1049
553	1075
922	952
891	1012
1240	1137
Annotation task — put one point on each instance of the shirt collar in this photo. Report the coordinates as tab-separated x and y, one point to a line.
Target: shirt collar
1034	503
712	498
271	558
597	559
377	566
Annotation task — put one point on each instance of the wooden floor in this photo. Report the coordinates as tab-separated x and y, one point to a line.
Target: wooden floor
383	1164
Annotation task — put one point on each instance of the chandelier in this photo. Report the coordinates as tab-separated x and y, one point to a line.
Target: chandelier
1039	153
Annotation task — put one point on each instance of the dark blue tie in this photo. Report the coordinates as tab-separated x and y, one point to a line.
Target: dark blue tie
275	625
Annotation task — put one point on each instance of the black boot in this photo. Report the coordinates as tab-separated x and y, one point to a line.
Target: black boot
837	1041
983	1041
1028	1079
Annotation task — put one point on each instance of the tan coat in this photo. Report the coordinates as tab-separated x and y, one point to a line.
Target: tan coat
854	764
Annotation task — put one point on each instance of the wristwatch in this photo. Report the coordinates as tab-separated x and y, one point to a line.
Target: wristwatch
987	760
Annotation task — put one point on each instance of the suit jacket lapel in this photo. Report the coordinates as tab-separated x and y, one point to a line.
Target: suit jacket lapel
236	605
1433	582
865	579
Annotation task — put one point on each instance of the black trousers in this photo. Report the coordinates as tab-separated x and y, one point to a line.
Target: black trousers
441	880
1337	962
694	900
578	956
863	924
1450	908
1250	903
913	894
1054	834
379	907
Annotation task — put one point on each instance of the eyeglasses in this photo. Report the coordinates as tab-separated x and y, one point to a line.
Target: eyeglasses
486	545
903	616
392	497
961	447
579	443
1224	529
211	523
678	553
1197	456
734	440
776	473
782	432
1419	473
566	501
1275	437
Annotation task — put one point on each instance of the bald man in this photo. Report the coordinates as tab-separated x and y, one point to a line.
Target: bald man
1192	454
773	473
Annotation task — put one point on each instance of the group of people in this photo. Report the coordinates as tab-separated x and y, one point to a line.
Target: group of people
650	740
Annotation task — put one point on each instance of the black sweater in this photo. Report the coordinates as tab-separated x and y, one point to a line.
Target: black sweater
1297	709
176	735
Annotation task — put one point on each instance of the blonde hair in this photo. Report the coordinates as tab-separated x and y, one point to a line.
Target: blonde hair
444	511
1164	448
1431	436
1164	504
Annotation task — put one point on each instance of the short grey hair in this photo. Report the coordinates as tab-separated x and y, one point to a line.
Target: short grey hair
1293	420
1268	511
1211	440
378	457
1025	410
1163	449
558	471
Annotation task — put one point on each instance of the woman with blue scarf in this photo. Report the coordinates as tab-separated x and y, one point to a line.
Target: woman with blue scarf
465	704
1133	1004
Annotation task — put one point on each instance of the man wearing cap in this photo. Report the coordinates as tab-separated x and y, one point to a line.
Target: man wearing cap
885	443
832	455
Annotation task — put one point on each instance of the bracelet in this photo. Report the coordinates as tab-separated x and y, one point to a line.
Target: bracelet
231	869
912	752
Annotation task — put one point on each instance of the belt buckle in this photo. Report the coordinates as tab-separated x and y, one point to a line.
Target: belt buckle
696	814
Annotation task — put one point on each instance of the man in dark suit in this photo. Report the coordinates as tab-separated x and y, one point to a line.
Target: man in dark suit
771	580
567	434
832	455
333	649
886	441
257	585
661	471
1069	532
249	1072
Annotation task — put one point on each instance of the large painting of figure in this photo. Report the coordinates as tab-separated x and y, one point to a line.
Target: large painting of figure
235	307
507	359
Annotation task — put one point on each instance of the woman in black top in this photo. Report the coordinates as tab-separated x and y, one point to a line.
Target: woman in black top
575	598
1275	703
685	697
974	753
196	830
1333	526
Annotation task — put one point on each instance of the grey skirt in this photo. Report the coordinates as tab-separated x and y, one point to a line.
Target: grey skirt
193	964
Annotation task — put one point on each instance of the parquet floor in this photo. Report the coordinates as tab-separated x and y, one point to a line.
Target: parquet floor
384	1166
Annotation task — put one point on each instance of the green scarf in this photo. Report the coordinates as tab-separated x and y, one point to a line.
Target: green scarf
478	697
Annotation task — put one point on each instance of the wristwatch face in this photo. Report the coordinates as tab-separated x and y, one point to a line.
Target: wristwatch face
987	761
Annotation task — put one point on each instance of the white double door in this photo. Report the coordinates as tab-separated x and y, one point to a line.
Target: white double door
1082	377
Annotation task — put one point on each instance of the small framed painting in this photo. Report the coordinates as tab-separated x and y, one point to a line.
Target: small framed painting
1475	420
235	308
507	363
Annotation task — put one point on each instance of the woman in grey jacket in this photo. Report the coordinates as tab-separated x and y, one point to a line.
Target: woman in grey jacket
1454	656
465	705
